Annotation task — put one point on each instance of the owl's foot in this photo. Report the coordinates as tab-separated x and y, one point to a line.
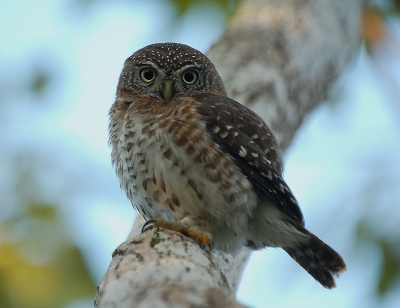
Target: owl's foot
203	238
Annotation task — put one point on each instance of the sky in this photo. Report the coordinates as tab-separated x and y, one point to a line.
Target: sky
343	165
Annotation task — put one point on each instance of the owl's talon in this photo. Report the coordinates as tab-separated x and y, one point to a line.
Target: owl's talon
204	239
208	247
148	225
211	245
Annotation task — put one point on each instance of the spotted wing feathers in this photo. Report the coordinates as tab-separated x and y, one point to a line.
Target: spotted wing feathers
248	140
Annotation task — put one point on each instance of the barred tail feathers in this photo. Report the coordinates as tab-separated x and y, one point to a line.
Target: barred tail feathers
318	259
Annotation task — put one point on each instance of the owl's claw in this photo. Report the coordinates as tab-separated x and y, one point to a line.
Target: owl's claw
204	239
208	247
148	225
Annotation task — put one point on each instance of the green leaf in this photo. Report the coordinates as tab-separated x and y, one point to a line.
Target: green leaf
39	82
390	262
42	211
390	272
183	5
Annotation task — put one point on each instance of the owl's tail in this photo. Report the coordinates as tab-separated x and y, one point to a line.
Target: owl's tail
318	259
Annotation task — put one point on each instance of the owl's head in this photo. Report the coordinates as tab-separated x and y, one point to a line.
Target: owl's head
166	70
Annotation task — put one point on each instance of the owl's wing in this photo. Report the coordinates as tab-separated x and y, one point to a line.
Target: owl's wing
248	140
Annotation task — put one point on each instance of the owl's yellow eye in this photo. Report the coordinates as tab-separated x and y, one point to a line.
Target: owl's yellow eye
148	74
189	76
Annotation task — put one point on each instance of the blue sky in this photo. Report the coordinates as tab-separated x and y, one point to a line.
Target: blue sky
345	156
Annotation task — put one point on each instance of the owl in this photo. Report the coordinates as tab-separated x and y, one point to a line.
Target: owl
191	159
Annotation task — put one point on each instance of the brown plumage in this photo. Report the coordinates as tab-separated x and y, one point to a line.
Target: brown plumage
186	153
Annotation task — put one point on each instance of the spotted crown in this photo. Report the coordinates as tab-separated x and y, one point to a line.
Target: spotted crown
170	56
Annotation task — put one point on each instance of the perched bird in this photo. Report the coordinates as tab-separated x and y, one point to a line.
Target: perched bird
196	161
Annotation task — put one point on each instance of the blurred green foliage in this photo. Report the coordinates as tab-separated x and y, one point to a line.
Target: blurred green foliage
390	272
40	266
39	82
390	256
183	5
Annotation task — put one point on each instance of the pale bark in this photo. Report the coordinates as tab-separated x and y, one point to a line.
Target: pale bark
279	58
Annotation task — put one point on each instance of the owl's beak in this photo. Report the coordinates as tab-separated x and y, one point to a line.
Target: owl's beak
167	90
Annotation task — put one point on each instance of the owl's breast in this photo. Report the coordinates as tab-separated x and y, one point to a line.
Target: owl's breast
170	168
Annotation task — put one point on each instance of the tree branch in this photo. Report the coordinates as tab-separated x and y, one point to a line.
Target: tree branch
278	58
162	268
